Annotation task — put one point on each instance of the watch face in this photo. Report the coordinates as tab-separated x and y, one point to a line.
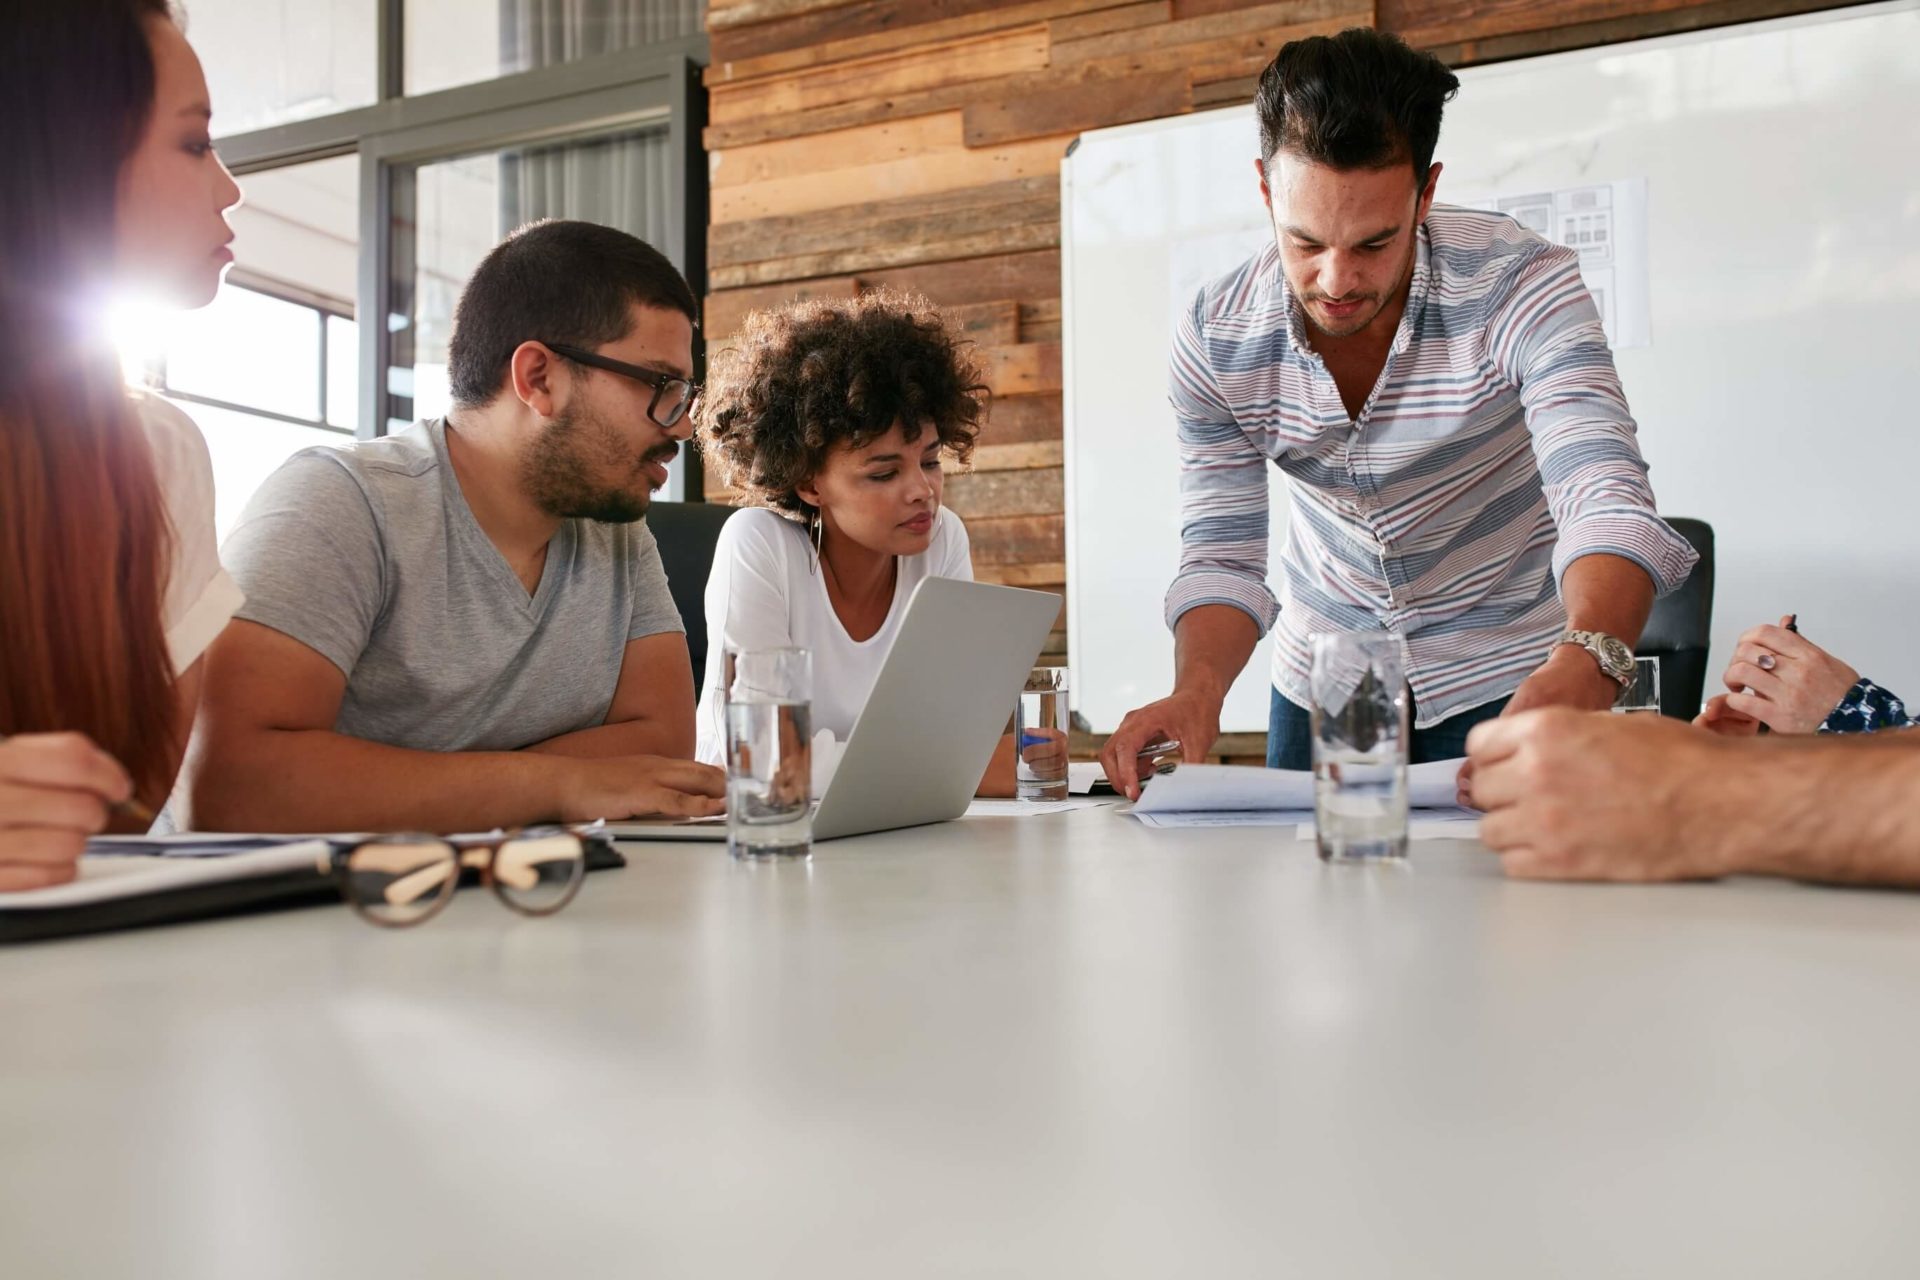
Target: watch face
1618	656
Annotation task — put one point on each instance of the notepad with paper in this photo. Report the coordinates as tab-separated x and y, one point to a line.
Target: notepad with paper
1221	795
129	881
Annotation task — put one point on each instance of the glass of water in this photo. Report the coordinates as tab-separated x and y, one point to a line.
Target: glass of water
1040	736
1644	693
1360	737
769	753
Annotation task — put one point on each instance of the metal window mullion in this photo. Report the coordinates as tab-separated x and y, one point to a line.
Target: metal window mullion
252	411
340	132
390	49
320	321
687	226
372	297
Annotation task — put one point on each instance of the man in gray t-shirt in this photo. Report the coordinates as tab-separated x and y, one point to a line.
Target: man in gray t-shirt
371	557
466	624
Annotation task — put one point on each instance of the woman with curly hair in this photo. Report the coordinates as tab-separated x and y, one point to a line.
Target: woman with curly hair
831	417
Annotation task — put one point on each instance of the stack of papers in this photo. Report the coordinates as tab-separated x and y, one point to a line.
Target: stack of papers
1220	795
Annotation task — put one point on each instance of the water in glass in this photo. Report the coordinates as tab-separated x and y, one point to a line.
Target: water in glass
1040	730
1360	737
769	753
1644	693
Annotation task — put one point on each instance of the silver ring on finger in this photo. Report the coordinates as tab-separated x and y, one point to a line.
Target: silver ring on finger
1768	662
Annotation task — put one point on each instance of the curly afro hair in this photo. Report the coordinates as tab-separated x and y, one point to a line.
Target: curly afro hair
803	378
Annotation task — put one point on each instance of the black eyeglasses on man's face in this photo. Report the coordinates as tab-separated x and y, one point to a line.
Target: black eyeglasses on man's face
672	397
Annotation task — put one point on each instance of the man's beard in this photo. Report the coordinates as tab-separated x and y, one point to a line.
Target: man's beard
560	466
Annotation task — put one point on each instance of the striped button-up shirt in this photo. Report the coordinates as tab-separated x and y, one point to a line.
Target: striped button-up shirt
1494	451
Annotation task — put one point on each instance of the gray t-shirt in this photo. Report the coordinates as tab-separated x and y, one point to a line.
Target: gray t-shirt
370	556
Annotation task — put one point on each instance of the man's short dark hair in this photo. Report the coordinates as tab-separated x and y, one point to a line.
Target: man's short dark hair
1358	100
554	281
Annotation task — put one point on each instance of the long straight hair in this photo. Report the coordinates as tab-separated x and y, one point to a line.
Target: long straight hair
84	538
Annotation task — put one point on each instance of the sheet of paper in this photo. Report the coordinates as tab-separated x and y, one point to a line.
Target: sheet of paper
1424	824
1606	224
1083	774
187	845
825	759
1225	788
1302	818
106	876
1034	808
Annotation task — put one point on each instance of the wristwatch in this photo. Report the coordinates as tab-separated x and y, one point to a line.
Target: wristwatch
1614	657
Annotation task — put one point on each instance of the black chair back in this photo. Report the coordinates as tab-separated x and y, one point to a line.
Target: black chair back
1681	626
687	533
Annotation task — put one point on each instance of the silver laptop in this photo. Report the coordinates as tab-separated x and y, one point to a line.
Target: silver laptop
938	708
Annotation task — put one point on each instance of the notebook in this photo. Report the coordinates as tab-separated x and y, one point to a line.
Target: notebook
128	882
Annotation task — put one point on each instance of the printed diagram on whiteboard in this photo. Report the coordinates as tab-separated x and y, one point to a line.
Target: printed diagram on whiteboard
1606	225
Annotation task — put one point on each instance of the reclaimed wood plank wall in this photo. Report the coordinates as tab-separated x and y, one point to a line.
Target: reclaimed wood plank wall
917	143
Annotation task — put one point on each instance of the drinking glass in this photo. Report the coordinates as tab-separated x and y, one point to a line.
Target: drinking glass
1644	693
1040	732
1360	738
770	753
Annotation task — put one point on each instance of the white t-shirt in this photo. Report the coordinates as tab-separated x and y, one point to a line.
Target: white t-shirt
200	596
766	591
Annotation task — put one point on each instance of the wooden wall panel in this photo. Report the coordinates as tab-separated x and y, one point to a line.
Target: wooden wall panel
831	171
915	144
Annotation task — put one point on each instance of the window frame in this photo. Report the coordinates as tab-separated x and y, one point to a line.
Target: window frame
154	376
611	93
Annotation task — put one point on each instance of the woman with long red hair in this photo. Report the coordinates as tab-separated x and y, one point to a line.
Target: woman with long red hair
110	582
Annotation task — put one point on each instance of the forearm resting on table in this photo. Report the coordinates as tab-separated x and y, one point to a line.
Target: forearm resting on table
669	736
1839	812
318	780
1607	593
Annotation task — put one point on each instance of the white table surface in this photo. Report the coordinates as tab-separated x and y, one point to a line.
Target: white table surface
1063	1046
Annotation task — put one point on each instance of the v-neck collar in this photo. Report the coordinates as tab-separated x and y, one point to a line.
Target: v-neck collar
465	527
893	605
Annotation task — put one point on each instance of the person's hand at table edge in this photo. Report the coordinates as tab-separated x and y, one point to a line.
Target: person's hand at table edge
1190	714
56	789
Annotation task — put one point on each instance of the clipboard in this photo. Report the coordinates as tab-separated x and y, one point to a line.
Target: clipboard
136	883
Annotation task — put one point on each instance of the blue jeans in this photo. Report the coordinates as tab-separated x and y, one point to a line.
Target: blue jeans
1290	734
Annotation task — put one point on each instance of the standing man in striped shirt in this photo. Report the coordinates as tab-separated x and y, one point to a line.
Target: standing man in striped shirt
1435	385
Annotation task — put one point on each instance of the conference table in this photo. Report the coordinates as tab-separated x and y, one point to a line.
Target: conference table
1062	1045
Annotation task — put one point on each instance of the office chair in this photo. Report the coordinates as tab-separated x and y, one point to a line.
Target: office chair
687	533
1679	629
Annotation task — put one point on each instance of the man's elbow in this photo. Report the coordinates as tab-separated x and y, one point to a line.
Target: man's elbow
222	792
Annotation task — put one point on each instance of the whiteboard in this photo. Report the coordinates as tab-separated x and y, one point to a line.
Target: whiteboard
1780	164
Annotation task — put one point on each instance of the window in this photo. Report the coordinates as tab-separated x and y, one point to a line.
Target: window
272	61
260	376
440	125
446	47
463	207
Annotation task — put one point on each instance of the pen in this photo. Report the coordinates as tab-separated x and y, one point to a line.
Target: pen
1793	625
128	808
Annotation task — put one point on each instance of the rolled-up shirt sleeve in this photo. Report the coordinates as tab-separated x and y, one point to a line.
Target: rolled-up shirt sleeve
1544	337
1224	506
